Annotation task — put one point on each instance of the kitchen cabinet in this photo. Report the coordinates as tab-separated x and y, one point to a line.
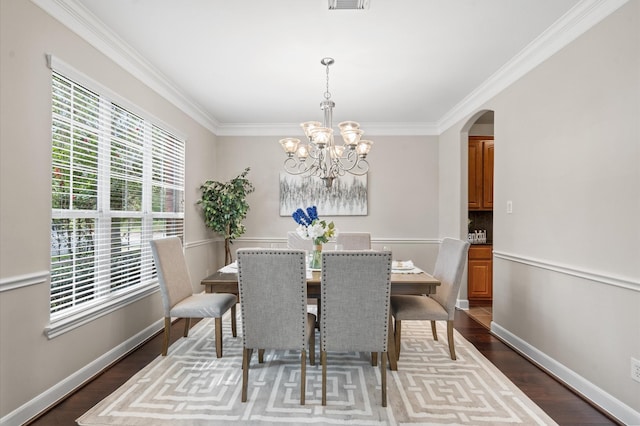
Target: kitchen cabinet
480	273
480	172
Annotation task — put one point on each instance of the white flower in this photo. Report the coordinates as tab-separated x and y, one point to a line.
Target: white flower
302	231
319	231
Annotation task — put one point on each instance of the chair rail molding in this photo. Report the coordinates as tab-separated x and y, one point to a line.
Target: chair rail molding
376	241
199	243
18	281
623	282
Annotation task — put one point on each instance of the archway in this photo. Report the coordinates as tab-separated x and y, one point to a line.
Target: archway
477	147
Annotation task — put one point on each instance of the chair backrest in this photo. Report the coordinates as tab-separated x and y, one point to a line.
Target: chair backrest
354	240
355	292
273	297
173	274
450	264
295	241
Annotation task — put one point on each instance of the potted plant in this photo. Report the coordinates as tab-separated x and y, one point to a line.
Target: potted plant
224	205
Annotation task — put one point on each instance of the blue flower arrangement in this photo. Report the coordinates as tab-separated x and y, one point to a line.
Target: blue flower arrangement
310	227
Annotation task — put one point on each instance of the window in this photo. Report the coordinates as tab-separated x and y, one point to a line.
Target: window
117	183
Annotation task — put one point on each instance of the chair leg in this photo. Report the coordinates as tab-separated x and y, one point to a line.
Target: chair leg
234	331
187	323
312	347
303	376
392	352
323	361
167	332
383	377
452	349
318	309
434	331
374	358
397	335
218	325
260	356
246	359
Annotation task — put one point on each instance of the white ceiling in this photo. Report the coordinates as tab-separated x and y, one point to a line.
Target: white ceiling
400	63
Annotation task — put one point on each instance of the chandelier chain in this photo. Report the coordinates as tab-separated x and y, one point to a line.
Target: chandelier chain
327	94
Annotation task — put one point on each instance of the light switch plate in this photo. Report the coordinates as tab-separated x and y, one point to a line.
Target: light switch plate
635	369
509	207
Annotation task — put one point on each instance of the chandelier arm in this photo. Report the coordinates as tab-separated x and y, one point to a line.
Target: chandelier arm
351	161
361	168
314	152
294	166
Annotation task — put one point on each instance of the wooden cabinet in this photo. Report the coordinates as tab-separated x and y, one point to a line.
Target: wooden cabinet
480	273
480	173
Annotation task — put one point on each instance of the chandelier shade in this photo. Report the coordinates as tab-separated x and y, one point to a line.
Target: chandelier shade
321	156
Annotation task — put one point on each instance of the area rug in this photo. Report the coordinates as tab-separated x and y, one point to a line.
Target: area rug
191	386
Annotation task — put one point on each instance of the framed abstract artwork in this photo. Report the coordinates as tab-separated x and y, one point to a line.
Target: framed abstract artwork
346	197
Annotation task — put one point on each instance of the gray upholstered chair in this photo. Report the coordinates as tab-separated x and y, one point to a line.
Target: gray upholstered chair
441	305
354	240
295	241
273	302
355	291
178	298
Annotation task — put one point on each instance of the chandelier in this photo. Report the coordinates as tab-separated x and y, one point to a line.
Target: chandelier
321	156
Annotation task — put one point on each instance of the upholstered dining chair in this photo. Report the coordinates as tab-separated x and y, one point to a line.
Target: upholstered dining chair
355	290
295	241
273	301
354	240
178	298
441	305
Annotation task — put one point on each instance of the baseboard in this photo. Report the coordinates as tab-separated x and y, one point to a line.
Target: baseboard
64	388
615	408
462	304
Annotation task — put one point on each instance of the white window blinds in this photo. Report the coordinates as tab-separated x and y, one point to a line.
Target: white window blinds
117	183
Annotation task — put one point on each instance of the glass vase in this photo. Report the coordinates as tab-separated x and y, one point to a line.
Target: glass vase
316	257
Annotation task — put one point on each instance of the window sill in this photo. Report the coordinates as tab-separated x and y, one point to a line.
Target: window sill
79	318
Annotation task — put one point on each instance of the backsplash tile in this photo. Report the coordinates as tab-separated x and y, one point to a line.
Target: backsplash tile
482	220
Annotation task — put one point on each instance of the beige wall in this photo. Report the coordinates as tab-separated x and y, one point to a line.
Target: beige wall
567	261
30	363
403	193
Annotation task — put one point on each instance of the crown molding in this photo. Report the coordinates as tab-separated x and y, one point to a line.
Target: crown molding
280	129
78	19
575	22
570	26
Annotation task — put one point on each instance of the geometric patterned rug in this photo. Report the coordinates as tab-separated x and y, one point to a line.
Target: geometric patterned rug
190	386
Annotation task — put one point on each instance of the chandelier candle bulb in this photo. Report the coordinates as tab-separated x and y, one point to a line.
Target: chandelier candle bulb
348	125
352	137
290	145
363	148
322	136
308	127
337	151
303	152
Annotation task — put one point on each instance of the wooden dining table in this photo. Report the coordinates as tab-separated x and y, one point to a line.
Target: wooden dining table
401	283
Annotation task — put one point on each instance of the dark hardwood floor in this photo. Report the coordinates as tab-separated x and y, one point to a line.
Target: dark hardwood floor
560	403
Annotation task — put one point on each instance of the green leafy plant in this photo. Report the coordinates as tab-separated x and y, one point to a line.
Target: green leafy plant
225	206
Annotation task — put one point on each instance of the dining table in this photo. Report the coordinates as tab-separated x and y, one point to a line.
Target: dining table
416	282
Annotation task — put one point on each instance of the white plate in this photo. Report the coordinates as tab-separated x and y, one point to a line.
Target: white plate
402	265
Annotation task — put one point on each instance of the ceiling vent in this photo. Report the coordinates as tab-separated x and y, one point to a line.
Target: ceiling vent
348	4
